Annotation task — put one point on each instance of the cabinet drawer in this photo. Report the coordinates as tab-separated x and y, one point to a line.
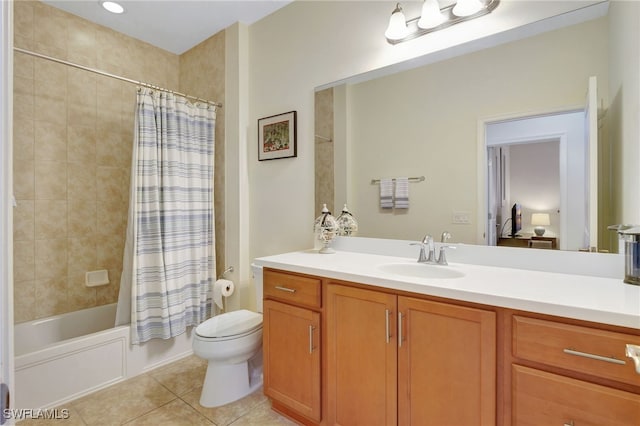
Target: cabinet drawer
541	398
292	288
582	349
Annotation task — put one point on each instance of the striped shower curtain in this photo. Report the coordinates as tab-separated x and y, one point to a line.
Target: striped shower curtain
170	252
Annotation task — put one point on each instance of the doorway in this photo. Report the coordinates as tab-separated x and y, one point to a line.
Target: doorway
537	162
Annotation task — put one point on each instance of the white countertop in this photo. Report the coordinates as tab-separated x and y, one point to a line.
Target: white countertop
589	298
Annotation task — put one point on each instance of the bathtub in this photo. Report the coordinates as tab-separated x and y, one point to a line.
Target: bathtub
66	356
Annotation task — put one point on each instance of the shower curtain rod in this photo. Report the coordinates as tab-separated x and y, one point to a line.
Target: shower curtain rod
106	74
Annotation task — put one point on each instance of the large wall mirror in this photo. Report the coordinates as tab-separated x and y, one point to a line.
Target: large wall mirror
432	121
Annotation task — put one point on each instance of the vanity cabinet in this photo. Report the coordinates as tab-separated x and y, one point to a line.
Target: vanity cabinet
571	374
291	344
408	360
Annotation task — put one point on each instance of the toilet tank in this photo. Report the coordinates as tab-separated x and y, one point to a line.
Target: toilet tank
257	282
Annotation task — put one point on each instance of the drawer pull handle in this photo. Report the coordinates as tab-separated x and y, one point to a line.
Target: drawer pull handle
399	329
311	348
633	352
593	356
287	289
387	331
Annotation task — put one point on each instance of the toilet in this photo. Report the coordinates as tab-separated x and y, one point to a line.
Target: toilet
232	345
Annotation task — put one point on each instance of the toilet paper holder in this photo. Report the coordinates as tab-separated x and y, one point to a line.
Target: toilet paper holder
226	271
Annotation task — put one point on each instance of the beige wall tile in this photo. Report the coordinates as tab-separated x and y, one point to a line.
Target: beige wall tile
50	109
50	141
24	220
81	183
82	254
110	250
109	293
23	138
110	185
50	27
50	219
82	218
24	179
51	297
81	145
23	85
51	258
23	65
23	106
82	87
23	19
81	41
81	115
110	221
24	260
80	296
24	301
50	180
50	79
109	148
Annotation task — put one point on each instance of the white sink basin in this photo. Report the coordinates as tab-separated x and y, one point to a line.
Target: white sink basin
421	270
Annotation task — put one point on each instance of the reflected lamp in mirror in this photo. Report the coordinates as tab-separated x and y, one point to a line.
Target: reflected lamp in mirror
540	220
434	18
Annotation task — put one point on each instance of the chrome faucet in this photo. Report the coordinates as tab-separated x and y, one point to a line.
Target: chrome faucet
427	243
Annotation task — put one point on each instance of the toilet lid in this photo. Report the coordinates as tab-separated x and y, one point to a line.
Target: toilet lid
230	324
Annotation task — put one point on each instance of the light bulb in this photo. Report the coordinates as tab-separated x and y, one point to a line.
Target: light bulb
467	7
112	7
431	16
397	28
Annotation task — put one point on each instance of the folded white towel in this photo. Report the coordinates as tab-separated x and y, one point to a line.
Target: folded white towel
401	198
386	193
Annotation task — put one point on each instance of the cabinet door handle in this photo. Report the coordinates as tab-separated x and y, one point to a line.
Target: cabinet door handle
287	289
387	313
399	329
594	356
311	348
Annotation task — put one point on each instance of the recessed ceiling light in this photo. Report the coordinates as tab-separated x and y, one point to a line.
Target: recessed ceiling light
112	6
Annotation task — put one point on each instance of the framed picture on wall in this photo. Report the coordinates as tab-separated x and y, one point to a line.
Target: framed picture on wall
277	136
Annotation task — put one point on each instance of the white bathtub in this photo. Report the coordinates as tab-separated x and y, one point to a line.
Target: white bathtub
64	357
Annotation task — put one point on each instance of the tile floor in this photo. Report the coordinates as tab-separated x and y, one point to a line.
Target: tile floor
165	396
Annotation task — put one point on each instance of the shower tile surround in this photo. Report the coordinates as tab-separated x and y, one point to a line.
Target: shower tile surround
73	139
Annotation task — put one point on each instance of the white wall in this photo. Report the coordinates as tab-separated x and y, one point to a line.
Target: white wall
309	44
624	39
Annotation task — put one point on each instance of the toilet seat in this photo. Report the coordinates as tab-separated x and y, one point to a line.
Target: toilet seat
230	325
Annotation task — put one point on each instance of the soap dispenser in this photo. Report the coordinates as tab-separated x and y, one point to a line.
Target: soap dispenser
325	229
347	224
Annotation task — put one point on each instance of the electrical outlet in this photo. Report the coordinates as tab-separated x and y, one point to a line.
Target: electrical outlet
463	218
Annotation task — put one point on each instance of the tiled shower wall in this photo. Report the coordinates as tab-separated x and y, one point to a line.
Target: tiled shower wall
73	139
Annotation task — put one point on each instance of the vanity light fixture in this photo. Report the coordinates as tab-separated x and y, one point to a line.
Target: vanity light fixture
112	7
434	18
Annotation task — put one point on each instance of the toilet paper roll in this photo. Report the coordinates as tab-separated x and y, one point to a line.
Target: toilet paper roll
222	288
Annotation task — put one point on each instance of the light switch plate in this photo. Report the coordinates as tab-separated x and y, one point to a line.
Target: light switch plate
461	217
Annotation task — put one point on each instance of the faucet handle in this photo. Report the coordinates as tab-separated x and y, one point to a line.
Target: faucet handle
442	257
422	258
446	236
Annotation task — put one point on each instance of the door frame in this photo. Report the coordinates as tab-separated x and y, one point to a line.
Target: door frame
6	202
482	169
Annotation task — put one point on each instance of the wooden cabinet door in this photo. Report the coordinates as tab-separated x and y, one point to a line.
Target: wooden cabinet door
541	398
446	364
291	350
361	357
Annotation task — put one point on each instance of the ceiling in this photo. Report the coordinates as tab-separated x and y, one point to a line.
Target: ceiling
172	25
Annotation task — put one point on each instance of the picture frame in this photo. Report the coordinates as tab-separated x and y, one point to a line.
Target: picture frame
277	136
